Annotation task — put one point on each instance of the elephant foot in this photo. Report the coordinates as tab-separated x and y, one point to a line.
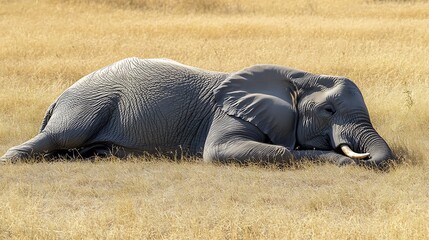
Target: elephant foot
4	160
13	156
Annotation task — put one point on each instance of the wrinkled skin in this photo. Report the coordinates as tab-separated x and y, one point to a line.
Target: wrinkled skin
264	113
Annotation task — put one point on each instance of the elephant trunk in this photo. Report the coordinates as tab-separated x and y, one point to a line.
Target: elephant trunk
367	147
378	149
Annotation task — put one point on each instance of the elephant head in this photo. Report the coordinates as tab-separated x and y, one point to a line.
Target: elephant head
333	115
303	111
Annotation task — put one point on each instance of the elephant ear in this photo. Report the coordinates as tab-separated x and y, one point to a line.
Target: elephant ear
265	96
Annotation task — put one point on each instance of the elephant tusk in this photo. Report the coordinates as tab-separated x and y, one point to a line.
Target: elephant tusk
351	154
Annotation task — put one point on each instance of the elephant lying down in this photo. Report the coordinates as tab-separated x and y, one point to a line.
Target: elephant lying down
264	113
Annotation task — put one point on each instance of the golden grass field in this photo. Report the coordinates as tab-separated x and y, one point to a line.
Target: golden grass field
382	45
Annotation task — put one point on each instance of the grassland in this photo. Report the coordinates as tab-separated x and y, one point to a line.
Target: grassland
383	46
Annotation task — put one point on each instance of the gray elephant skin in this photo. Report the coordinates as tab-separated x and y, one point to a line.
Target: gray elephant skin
262	114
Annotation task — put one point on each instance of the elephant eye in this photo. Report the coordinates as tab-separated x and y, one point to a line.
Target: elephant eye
329	109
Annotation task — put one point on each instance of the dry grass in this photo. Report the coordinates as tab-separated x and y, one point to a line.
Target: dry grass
159	199
382	45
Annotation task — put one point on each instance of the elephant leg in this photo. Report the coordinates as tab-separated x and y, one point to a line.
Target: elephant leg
231	139
247	151
70	127
41	143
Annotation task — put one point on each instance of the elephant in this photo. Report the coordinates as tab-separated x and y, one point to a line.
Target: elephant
266	114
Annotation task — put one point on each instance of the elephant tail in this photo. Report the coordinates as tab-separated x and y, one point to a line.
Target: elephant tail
48	116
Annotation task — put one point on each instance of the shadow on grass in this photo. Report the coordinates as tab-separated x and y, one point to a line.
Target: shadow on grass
404	156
